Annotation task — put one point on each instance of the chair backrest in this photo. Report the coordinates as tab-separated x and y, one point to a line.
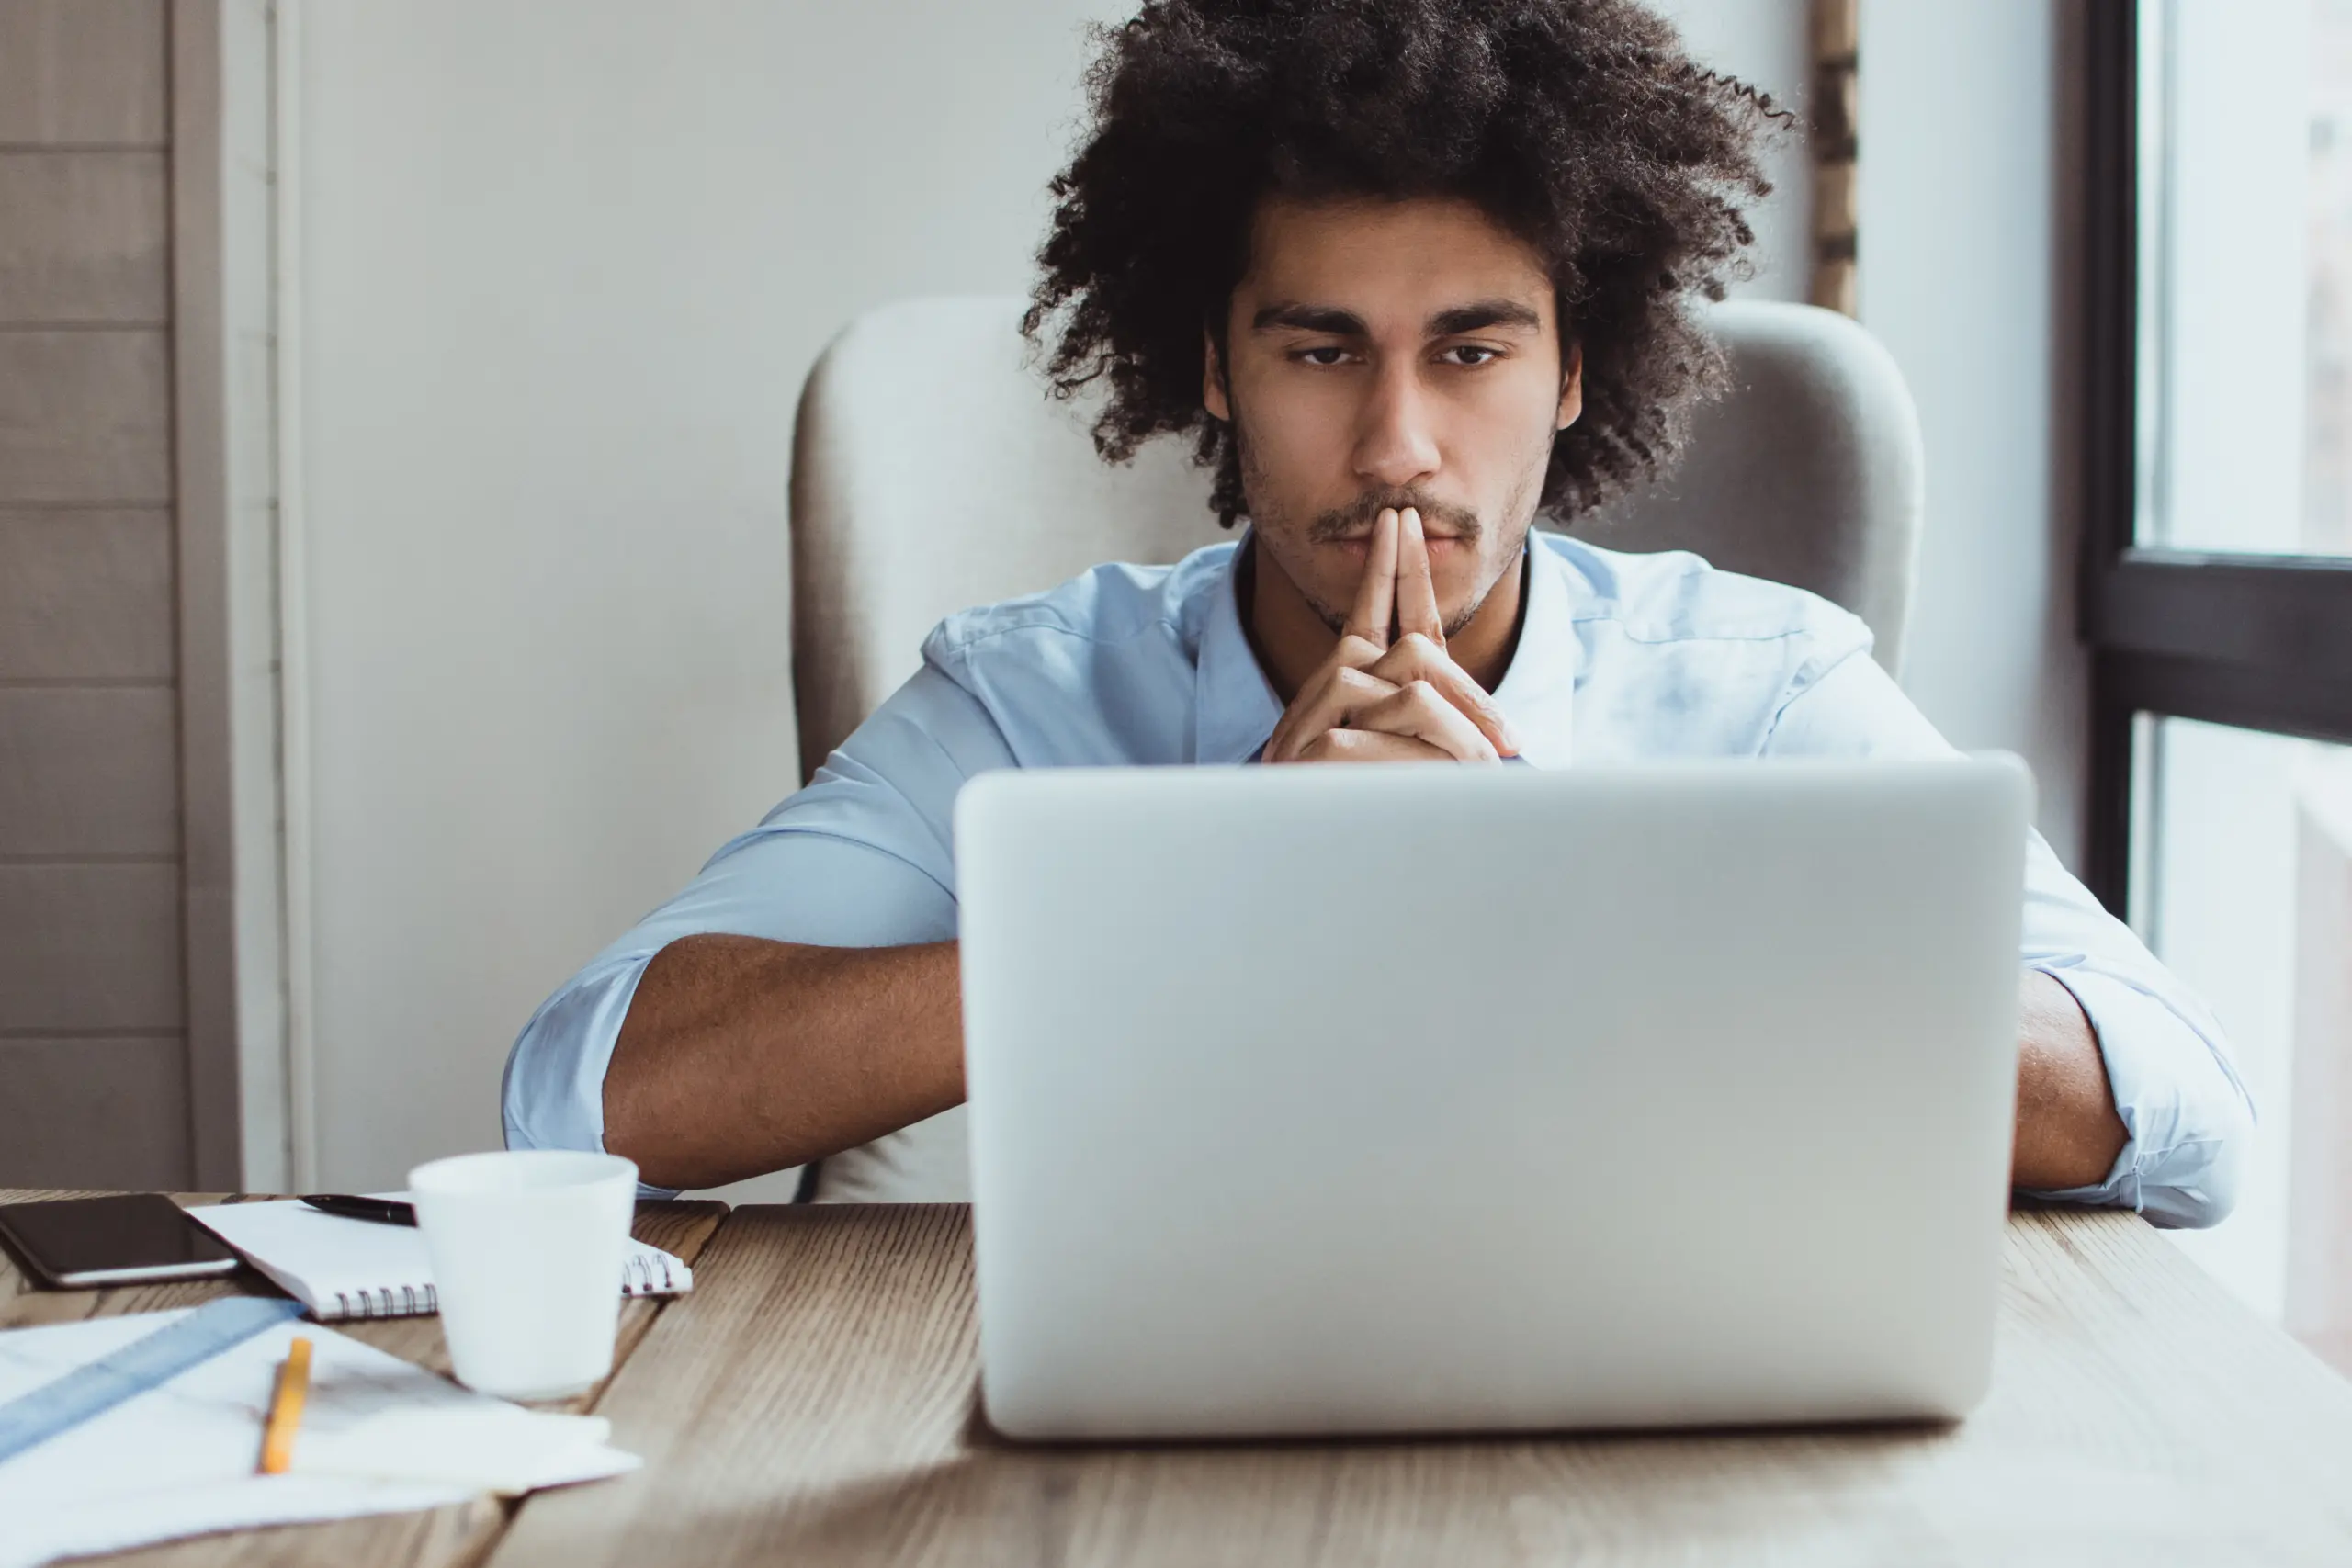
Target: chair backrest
930	472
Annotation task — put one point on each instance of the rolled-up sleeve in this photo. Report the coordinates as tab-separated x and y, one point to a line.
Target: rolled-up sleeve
2175	1083
860	858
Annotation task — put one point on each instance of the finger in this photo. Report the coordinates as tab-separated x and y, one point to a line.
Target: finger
1351	652
1416	710
1376	594
1416	657
1371	746
1416	592
1330	701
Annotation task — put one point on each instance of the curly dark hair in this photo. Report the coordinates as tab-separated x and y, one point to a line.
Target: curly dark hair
1582	126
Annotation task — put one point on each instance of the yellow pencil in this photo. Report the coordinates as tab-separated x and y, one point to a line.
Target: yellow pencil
286	1409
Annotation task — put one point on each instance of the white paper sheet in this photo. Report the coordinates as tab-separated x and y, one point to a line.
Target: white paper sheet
179	1460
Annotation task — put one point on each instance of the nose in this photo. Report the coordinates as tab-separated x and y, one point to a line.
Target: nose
1395	448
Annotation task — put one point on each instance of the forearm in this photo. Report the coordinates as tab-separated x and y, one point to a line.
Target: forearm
2068	1133
740	1055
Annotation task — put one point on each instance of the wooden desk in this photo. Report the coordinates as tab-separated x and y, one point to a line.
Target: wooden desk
812	1403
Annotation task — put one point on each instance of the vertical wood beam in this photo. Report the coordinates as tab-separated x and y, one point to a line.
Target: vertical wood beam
1835	139
199	461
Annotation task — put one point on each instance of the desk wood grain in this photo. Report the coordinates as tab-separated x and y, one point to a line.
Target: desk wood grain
813	1402
443	1538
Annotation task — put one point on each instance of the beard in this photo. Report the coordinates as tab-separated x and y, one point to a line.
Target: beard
1357	517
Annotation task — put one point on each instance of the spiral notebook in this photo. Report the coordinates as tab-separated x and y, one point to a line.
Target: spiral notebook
346	1269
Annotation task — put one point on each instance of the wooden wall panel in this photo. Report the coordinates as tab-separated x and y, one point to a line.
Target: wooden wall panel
84	237
83	71
94	928
89	771
85	595
90	949
86	417
94	1113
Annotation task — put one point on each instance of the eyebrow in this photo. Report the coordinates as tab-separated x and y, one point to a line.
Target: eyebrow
1309	319
1449	322
1484	314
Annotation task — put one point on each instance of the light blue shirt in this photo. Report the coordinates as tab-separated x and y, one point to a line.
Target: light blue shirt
1620	658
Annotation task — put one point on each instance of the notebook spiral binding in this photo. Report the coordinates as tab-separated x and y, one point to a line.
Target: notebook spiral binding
407	1302
646	1276
640	1276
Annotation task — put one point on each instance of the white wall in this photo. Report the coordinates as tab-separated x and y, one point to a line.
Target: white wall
1971	129
562	273
1769	44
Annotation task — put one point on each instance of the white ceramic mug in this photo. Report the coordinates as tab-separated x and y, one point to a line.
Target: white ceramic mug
527	1247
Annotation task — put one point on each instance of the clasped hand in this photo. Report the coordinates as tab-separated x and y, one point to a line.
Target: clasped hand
1378	700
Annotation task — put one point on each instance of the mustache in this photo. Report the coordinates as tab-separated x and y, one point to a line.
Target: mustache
1357	517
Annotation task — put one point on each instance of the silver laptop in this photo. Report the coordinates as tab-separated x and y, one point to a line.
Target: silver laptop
1333	1100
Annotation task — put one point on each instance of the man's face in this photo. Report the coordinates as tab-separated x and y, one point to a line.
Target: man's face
1391	354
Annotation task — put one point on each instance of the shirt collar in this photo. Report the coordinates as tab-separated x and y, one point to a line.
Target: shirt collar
1234	709
1538	693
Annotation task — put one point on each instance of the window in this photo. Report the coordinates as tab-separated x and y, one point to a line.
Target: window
2217	577
2244	883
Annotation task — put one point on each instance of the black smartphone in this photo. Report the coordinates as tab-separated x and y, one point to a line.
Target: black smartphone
77	1242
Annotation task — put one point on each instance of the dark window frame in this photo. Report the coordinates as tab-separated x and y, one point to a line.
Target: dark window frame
2259	642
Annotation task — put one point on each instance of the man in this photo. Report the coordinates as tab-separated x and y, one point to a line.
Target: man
1410	274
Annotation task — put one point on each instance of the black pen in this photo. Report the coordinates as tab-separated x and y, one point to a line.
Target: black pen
383	1211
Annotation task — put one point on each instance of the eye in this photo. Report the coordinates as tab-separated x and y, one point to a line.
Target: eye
1325	354
1485	355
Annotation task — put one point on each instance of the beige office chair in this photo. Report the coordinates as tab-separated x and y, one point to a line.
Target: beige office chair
930	472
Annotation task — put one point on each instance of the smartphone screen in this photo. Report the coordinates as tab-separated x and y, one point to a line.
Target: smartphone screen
109	1241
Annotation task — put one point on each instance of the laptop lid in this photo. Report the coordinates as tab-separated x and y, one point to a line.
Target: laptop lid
1352	1100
